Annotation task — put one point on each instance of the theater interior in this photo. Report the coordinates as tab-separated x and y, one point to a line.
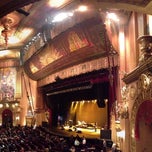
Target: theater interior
77	68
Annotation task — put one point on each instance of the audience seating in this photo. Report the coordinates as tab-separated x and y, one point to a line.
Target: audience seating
40	139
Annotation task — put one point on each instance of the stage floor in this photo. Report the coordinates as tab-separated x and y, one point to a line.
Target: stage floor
68	131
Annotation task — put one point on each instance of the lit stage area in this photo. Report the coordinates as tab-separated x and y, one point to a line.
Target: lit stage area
81	108
83	118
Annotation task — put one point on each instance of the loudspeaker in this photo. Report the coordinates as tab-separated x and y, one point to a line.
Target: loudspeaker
101	104
105	134
109	143
44	124
102	94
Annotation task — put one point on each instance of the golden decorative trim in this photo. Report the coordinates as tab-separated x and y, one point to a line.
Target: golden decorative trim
143	94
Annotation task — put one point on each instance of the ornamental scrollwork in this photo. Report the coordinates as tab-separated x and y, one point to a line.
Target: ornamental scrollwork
144	85
143	93
122	107
144	82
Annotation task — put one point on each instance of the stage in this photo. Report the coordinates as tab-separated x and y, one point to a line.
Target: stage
69	131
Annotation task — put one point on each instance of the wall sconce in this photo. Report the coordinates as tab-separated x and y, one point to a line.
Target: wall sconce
120	137
17	117
121	134
1	105
7	105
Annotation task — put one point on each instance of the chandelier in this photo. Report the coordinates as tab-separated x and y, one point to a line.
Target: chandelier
6	32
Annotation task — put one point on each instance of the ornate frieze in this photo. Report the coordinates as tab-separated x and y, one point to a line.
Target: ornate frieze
93	65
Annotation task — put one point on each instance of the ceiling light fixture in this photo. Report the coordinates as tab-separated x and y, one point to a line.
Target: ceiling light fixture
61	16
55	3
82	8
112	16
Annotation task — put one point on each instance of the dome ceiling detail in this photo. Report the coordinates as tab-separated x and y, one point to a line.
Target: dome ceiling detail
28	17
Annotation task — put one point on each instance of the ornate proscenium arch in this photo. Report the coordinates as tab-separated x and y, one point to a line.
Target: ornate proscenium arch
139	113
142	101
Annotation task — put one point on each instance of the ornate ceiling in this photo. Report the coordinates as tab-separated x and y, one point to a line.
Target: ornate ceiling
23	19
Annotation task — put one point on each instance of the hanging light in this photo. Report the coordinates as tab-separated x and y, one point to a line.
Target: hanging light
6	32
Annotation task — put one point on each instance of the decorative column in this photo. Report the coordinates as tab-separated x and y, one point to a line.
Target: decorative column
145	43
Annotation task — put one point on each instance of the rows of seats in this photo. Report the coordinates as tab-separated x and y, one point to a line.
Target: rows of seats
29	139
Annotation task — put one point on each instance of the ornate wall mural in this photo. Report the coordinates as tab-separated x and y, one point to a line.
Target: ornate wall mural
7	83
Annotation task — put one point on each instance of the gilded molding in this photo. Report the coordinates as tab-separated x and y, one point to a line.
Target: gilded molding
139	91
135	74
